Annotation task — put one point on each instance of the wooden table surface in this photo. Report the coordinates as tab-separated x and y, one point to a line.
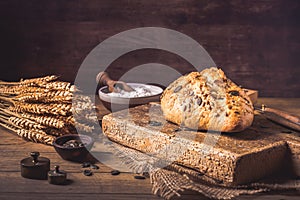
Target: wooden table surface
102	185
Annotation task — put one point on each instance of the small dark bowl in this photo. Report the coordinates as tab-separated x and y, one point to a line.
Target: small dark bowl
77	154
120	103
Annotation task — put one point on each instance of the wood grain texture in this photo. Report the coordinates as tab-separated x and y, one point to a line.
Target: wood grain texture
255	42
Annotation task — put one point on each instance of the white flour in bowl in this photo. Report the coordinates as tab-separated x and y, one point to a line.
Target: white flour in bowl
139	91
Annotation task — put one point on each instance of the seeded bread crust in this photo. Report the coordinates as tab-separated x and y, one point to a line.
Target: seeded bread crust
207	100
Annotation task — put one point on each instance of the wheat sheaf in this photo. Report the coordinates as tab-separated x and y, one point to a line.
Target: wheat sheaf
40	109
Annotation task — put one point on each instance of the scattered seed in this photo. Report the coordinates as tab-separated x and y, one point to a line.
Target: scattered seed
139	177
177	89
73	144
94	166
234	93
85	164
87	172
115	172
146	174
236	112
155	123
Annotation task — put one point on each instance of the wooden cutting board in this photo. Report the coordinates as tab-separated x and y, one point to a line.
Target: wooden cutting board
235	158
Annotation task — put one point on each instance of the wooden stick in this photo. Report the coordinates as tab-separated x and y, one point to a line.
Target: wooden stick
292	118
281	120
6	99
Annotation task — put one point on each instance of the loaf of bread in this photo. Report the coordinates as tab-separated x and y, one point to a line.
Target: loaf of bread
207	100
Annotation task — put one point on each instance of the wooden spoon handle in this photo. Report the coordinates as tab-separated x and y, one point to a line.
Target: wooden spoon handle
103	79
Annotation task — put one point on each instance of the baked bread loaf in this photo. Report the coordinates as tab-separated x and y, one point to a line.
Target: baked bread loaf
207	100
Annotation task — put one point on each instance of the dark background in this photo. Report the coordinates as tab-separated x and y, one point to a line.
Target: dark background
256	43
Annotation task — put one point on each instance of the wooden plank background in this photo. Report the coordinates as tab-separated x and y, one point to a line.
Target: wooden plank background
255	42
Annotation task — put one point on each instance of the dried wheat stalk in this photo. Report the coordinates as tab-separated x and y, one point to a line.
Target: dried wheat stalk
50	121
32	81
37	136
25	123
34	135
35	108
58	85
20	89
45	97
56	132
39	80
84	127
40	109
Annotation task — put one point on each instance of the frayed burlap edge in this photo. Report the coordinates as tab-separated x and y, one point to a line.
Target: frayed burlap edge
174	179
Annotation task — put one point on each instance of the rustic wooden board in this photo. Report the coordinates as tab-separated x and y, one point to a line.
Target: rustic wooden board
236	158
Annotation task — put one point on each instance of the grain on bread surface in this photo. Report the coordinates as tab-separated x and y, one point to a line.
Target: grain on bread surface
207	100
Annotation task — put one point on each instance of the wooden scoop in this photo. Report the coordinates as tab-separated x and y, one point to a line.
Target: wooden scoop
113	86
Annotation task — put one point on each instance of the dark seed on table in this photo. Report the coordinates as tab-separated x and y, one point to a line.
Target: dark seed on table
139	177
155	123
234	93
236	112
87	172
115	172
94	166
177	89
85	164
146	174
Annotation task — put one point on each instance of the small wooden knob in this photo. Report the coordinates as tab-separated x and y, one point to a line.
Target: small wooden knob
56	169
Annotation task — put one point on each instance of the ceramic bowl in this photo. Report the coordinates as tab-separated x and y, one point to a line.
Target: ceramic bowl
114	103
77	154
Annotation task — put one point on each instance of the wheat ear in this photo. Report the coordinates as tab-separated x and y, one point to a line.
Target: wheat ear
32	81
34	135
51	96
35	108
50	121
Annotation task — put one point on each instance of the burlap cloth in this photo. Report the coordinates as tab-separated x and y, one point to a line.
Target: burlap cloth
174	179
